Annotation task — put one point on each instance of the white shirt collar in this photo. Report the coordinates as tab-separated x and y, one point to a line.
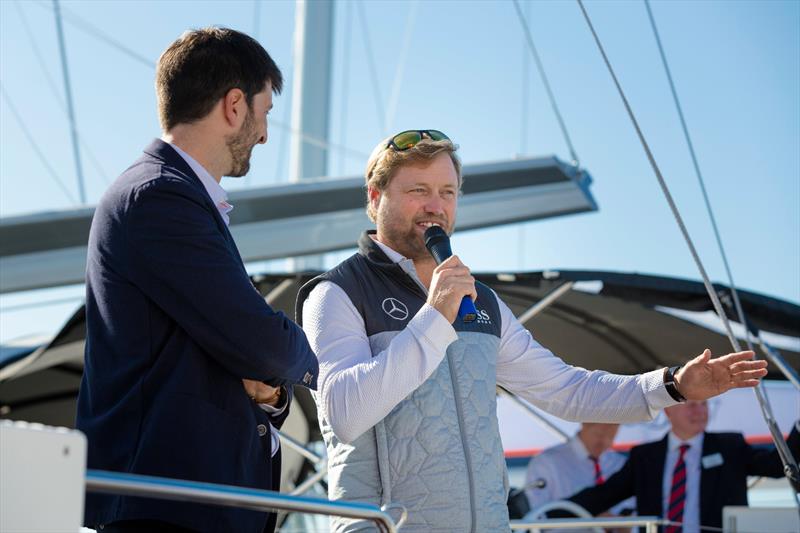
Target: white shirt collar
394	257
695	443
578	447
403	262
215	191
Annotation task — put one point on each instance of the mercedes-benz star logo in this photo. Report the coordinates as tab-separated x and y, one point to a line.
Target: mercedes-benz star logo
395	308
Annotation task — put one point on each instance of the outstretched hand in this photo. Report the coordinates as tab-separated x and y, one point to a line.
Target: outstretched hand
703	377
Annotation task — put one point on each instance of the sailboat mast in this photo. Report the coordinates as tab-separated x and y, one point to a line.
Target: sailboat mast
313	43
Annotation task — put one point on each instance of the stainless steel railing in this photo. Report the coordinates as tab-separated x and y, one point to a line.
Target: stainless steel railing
650	523
230	496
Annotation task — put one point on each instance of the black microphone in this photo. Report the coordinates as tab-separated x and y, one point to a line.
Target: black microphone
438	244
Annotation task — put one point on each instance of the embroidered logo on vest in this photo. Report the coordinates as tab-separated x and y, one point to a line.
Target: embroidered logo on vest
483	317
395	308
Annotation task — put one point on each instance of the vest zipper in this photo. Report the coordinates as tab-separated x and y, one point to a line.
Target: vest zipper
459	414
467	458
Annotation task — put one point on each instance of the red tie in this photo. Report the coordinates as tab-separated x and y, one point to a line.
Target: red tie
677	495
598	474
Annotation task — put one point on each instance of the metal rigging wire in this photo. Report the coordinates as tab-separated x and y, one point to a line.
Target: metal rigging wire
350	152
526	30
376	90
700	180
394	97
85	26
280	160
790	466
88	28
346	48
51	172
58	97
256	19
523	130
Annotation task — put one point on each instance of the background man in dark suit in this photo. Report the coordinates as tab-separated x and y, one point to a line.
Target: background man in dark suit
187	369
689	475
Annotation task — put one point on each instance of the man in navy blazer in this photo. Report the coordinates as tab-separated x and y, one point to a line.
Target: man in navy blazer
187	369
716	466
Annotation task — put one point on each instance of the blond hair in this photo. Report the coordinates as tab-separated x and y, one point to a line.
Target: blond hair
384	162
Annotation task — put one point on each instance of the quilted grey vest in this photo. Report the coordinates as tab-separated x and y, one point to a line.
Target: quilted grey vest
438	452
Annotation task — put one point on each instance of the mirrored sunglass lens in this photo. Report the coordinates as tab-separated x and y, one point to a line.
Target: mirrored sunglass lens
437	135
407	139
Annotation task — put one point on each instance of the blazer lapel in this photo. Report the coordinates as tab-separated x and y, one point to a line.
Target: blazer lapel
709	481
658	459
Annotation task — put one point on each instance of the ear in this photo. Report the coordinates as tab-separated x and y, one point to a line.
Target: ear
234	107
374	196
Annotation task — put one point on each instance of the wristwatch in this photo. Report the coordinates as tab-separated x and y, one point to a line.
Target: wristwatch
669	383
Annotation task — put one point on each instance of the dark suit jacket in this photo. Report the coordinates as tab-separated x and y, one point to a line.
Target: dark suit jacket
173	325
643	474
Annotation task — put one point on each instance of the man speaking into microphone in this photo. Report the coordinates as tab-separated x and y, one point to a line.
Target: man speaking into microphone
406	390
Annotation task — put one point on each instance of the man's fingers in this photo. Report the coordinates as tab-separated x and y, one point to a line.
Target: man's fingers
732	358
450	262
742	366
454	272
750	374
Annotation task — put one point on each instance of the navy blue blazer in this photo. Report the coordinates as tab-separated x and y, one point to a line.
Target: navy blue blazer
173	325
726	484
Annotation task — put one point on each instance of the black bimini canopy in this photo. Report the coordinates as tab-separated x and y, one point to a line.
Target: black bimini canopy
629	323
623	323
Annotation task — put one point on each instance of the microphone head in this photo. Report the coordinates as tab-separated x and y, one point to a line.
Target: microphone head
435	235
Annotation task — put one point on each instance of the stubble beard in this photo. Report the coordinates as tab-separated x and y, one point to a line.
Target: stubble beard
240	145
403	237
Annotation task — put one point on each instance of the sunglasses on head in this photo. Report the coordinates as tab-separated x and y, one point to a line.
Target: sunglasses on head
409	138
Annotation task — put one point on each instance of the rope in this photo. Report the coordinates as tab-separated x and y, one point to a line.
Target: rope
790	466
526	30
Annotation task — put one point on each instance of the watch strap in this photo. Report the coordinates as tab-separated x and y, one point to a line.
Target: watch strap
669	383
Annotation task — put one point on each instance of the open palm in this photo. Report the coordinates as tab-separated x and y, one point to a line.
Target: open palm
704	377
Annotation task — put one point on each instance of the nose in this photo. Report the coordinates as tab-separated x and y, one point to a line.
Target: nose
434	205
263	138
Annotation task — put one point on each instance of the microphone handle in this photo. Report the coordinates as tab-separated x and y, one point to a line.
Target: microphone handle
466	311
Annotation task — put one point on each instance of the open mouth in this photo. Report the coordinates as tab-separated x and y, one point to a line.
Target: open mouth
427	224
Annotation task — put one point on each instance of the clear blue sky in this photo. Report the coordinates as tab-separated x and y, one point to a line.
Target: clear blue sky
736	66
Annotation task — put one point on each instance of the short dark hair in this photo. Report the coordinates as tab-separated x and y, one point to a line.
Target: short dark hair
201	66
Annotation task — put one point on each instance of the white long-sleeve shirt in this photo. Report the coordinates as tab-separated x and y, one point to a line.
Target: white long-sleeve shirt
356	389
561	471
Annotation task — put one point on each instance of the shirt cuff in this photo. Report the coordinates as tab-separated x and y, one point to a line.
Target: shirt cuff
655	392
431	324
274	411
